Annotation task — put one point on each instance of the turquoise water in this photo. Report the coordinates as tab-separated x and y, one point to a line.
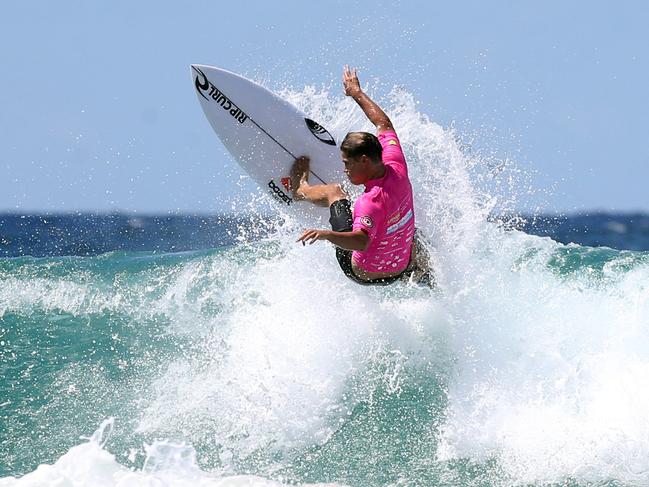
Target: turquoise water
84	339
258	363
77	347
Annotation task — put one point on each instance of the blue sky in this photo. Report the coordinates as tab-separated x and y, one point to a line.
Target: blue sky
98	112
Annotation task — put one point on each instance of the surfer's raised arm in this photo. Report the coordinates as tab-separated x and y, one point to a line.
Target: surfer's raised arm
374	112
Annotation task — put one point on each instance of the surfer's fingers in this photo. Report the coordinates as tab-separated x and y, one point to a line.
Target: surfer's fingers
306	236
349	74
312	236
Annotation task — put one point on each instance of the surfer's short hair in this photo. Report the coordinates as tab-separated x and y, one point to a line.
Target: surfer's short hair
358	144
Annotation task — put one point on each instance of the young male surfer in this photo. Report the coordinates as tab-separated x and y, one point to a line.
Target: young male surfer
376	243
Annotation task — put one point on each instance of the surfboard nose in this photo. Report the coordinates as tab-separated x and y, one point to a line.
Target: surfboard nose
198	72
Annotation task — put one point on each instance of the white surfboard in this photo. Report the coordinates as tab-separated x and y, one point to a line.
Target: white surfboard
265	134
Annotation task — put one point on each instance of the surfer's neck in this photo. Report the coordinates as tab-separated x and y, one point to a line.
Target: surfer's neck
377	172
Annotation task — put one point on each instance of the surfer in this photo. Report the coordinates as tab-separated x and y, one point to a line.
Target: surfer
376	243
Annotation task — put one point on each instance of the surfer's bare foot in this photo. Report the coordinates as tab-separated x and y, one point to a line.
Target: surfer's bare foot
300	177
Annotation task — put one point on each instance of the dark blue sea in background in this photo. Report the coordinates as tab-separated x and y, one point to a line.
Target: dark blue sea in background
85	234
93	234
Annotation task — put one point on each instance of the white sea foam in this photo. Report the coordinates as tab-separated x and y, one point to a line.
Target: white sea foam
277	370
551	369
166	464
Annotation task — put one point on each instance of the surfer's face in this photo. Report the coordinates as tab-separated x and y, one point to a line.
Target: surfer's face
356	168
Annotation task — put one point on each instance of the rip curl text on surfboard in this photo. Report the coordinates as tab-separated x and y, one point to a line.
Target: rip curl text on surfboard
206	87
225	102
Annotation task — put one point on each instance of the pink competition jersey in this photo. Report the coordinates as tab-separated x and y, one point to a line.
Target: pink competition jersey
386	213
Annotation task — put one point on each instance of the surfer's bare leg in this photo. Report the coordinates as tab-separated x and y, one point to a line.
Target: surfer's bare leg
318	194
420	270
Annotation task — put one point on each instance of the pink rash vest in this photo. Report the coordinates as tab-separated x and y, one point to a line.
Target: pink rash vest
386	214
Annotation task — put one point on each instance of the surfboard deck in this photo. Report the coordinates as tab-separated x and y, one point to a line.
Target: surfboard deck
265	134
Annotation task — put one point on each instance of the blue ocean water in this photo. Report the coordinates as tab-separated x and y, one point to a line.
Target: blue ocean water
86	234
214	350
93	234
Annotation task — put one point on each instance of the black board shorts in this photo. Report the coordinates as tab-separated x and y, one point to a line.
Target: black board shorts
341	221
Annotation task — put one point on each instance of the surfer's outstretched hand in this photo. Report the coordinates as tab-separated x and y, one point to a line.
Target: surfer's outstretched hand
350	81
312	236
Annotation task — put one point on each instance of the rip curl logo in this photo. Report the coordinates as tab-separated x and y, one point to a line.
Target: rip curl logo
201	86
210	92
367	221
278	193
320	132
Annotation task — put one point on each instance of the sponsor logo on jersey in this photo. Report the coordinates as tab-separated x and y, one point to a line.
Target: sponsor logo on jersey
367	221
320	132
401	223
394	218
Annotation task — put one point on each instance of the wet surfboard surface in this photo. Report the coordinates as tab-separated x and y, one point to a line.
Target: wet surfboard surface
265	134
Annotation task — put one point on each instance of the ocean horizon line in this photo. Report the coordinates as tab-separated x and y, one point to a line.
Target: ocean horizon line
212	214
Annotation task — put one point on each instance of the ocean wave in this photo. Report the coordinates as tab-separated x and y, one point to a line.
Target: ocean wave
526	364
